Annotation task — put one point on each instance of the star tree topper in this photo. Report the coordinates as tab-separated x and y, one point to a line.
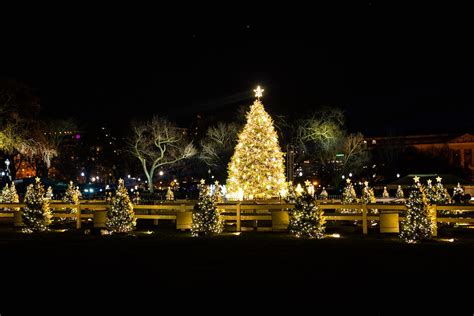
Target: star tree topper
439	179
258	92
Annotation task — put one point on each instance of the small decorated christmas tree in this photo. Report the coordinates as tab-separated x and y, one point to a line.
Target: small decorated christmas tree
206	217
9	194
306	219
169	195
49	193
36	214
5	196
385	194
136	198
349	196
218	192
72	197
368	195
121	217
13	194
418	224
441	195
400	194
324	194
430	192
458	193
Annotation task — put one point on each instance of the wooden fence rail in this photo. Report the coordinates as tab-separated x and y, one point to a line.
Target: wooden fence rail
276	212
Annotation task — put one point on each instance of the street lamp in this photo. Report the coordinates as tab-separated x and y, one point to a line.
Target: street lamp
7	163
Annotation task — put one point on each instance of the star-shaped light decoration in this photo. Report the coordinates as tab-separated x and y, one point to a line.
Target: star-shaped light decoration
203	182
120	181
258	92
348	181
439	179
307	183
429	181
37	180
216	183
70	182
416	179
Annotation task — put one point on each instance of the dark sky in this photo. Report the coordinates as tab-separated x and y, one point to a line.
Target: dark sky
392	69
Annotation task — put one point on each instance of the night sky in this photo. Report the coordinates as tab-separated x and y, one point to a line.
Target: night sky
393	70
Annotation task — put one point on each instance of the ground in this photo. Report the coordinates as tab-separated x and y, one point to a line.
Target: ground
167	261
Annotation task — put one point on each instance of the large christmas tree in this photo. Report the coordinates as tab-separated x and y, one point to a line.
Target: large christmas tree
418	224
36	214
121	217
206	216
256	169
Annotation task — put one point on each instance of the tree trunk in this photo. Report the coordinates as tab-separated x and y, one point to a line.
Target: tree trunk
13	166
150	182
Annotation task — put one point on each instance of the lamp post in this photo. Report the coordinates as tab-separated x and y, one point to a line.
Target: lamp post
7	163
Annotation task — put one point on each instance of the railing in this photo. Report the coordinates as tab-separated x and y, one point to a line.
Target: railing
274	211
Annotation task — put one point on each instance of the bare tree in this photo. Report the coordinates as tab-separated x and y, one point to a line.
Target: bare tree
355	152
157	143
324	129
323	136
218	145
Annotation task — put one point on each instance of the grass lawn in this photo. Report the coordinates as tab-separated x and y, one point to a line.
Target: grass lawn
169	261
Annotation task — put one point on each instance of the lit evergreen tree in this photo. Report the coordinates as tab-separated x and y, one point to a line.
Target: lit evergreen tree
324	194
5	196
169	195
206	217
385	193
458	193
400	194
257	167
49	193
72	197
36	214
218	192
418	224
121	217
306	219
441	195
430	192
368	195
9	194
349	196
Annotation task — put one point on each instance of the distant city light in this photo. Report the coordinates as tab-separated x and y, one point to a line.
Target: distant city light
128	176
301	174
82	174
343	176
3	173
93	179
398	175
350	174
139	179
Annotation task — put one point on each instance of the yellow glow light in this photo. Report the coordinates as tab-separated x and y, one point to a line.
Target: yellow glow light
335	236
258	92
